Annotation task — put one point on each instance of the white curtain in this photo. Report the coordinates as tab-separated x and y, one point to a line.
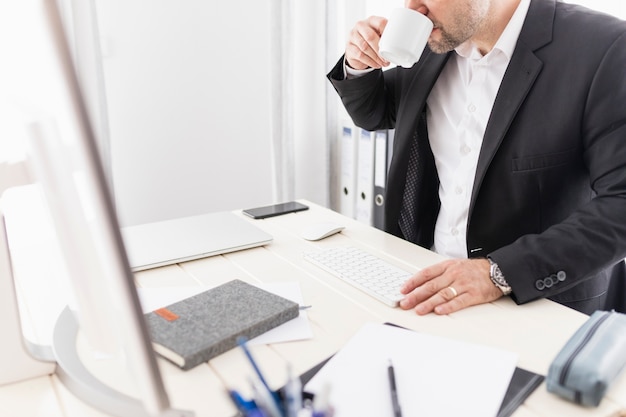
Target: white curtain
300	140
81	24
281	73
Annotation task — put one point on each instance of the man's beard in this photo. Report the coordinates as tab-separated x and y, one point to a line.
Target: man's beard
467	22
446	44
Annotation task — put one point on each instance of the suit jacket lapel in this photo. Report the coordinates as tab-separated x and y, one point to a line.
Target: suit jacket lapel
519	78
517	82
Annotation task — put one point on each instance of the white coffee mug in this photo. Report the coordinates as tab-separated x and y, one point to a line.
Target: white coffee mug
405	37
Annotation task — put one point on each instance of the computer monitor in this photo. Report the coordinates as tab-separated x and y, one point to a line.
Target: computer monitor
64	157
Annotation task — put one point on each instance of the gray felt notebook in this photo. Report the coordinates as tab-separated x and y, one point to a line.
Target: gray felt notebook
201	327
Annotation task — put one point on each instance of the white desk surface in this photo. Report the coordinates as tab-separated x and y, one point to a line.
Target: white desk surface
535	331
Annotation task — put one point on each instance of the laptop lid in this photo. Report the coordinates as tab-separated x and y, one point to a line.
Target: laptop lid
167	242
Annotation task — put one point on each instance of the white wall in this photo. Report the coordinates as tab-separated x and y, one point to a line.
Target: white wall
311	143
188	104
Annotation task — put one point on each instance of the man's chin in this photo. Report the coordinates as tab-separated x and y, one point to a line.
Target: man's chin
439	46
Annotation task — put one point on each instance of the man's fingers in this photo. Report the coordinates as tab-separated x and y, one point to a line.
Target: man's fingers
448	293
359	59
362	46
424	276
457	303
422	286
449	286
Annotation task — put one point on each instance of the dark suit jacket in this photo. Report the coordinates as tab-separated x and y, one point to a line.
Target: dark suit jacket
549	197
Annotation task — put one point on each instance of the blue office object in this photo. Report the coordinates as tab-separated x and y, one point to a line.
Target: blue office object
242	404
241	341
257	412
265	400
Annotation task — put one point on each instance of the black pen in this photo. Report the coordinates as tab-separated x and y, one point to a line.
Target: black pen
394	392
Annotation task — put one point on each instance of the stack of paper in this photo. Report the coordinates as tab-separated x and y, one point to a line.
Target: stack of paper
435	376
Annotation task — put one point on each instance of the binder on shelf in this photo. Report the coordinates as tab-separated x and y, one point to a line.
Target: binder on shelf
365	178
391	134
380	179
348	161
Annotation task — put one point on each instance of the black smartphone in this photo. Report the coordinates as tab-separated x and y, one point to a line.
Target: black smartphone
275	210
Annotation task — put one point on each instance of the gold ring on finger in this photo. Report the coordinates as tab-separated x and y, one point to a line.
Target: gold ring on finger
453	291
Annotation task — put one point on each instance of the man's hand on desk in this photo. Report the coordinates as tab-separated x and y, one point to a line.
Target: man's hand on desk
449	286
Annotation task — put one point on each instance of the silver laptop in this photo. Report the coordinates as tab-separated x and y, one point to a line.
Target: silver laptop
171	241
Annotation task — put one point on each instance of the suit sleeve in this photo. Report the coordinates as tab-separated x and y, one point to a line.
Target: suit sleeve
592	238
367	99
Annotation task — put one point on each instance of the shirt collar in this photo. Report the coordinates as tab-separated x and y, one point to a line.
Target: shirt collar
508	39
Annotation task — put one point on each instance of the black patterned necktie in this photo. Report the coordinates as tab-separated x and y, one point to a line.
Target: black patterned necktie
414	172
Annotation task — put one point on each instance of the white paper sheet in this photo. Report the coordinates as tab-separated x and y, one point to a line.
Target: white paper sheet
435	376
296	329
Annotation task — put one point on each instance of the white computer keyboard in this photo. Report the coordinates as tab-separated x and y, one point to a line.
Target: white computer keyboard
370	274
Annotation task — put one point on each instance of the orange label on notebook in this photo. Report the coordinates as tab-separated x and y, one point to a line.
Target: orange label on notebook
166	314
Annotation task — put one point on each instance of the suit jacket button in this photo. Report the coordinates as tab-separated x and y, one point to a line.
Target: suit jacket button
554	279
547	281
561	275
540	285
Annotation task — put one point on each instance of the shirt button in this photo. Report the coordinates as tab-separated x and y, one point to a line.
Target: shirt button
465	150
471	108
455	232
458	190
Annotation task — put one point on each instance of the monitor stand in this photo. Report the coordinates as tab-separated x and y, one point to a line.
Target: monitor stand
21	359
79	380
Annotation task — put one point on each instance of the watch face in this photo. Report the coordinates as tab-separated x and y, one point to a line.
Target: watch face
498	278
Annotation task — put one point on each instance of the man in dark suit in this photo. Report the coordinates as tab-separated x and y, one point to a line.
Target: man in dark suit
516	117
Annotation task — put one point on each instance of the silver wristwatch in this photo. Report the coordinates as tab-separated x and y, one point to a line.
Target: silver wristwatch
497	277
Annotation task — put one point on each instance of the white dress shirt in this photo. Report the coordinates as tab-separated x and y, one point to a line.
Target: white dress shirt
458	109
